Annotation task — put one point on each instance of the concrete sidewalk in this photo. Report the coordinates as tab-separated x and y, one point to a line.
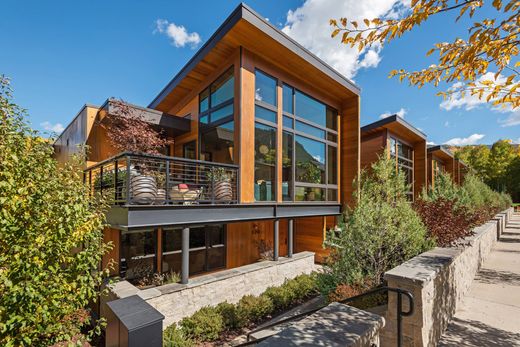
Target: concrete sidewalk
490	312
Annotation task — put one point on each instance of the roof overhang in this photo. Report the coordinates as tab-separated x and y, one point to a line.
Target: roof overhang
170	124
246	28
398	126
441	152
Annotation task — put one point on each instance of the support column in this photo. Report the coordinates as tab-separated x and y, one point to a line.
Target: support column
276	238
290	238
185	270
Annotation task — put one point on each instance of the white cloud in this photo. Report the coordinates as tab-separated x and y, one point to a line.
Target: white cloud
309	25
470	102
517	141
55	128
471	140
178	34
430	143
512	120
401	113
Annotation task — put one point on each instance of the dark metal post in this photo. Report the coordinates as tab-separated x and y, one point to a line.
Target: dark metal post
116	168
185	266
276	238
399	319
128	174
167	185
290	238
212	170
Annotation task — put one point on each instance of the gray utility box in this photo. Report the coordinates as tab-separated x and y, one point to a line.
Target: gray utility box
132	322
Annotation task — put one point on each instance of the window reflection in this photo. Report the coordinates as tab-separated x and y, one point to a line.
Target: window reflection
310	160
265	88
265	162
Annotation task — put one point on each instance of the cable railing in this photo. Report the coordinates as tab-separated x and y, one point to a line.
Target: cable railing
400	314
143	179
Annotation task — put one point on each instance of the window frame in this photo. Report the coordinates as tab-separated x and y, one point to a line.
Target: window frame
326	186
400	165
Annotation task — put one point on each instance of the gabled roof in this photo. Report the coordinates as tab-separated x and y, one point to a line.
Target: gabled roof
397	125
257	23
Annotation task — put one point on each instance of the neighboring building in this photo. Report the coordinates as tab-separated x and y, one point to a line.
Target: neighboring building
440	159
398	139
266	146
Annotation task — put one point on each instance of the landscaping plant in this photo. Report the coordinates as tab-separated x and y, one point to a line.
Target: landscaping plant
210	323
379	233
51	238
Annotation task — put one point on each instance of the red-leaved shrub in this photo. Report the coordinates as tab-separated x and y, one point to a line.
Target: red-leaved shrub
446	222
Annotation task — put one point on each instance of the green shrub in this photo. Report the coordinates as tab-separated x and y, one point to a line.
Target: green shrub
51	237
229	315
173	336
204	325
281	297
304	285
254	308
381	232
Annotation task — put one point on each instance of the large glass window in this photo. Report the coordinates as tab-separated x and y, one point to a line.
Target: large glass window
216	128
287	172
403	154
217	143
137	253
314	164
265	88
265	162
310	160
207	249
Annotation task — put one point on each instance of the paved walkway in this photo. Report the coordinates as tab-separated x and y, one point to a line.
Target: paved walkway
490	312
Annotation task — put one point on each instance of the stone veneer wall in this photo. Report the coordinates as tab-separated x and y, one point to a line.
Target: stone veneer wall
438	280
176	301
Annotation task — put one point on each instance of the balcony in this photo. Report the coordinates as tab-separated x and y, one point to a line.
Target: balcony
159	191
153	180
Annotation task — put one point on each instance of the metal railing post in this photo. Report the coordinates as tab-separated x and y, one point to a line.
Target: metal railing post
101	179
167	184
116	168
128	174
399	319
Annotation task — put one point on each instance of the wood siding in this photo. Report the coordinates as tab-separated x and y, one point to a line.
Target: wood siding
349	149
112	235
372	147
309	234
419	165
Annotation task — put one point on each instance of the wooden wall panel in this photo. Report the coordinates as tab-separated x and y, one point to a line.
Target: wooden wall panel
309	234
247	129
350	149
450	167
430	168
243	239
372	146
111	235
420	171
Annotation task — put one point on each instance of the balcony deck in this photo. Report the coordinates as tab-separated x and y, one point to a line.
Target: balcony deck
152	190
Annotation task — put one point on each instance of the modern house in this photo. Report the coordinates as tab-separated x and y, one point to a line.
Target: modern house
440	159
266	144
398	139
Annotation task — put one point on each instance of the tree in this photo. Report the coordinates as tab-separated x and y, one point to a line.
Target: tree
51	238
128	131
380	232
497	167
490	47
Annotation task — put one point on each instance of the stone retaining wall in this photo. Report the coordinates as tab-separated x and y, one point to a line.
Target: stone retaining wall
176	301
438	280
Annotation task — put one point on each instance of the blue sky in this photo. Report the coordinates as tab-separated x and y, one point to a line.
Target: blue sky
63	54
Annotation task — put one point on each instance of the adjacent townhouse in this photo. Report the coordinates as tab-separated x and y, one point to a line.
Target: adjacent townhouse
441	159
406	145
266	144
